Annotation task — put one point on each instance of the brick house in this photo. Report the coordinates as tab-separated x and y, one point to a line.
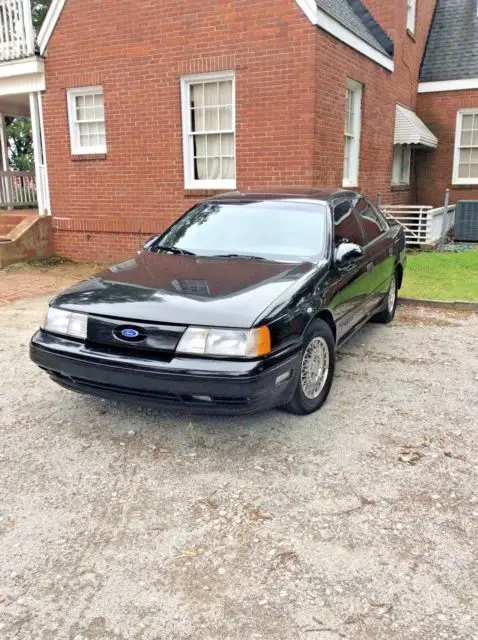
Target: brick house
145	111
448	103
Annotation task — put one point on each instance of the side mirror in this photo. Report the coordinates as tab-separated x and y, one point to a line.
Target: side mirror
346	252
150	241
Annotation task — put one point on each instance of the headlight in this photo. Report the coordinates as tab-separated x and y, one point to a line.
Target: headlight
65	323
235	343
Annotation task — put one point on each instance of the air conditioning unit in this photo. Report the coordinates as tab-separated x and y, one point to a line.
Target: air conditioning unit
466	220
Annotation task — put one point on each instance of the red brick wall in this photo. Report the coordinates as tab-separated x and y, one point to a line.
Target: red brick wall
382	91
438	111
290	100
139	55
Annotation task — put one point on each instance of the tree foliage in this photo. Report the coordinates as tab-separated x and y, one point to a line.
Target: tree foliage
39	11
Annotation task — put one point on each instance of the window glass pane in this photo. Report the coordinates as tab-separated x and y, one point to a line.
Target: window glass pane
474	155
214	168
347	158
213	146
90	100
200	144
474	142
197	95
200	166
465	156
474	171
464	171
211	119
274	230
225	93
228	169
346	224
80	101
370	221
466	138
197	120
225	118
211	94
227	144
102	139
99	99
467	121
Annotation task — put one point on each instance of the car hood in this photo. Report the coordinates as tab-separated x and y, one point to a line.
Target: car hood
185	289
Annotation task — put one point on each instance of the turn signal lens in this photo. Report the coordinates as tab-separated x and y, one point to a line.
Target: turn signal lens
234	343
261	341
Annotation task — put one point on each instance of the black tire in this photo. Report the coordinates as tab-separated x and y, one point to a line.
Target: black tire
300	404
388	314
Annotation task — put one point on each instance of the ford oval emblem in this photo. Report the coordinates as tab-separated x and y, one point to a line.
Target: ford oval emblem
131	334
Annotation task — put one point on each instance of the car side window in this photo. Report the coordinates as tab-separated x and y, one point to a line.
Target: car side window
372	222
346	225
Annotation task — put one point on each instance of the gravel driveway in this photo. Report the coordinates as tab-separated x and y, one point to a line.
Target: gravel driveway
359	522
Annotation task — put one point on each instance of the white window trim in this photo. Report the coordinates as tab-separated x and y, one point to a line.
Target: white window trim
189	181
76	149
456	156
411	15
357	88
408	150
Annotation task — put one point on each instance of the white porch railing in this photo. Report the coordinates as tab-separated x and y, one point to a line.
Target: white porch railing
423	225
17	39
18	189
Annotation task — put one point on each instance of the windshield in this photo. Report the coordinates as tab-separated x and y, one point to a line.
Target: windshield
292	231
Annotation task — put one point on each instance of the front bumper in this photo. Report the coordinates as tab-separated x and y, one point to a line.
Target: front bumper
197	384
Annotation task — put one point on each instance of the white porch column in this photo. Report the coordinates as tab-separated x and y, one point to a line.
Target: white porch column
38	154
46	183
5	163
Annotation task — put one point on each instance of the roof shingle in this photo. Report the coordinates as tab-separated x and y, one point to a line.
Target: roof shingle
355	17
452	48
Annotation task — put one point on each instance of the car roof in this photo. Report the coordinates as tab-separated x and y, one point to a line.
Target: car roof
283	193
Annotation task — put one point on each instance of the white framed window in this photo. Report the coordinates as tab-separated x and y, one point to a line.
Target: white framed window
86	113
411	15
353	109
402	154
465	165
209	131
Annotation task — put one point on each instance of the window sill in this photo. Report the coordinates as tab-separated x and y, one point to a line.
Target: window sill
411	35
89	156
204	193
401	187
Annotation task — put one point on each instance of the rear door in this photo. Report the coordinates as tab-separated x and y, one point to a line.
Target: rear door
350	288
379	250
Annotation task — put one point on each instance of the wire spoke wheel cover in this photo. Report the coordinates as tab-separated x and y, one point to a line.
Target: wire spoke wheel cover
315	368
392	294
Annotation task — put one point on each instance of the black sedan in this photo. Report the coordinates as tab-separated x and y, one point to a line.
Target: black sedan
239	306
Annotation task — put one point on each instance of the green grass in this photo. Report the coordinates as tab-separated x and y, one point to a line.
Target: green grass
442	276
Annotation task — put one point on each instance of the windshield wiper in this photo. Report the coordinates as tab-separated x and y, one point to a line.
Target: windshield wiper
239	255
175	250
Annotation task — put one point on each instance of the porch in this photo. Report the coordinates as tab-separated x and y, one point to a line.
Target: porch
23	185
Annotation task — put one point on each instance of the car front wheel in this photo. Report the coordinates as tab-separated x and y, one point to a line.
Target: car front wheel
316	370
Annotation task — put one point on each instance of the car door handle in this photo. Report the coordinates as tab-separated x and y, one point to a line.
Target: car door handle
370	267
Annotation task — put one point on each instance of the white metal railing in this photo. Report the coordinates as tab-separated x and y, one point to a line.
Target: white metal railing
422	224
18	189
17	39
